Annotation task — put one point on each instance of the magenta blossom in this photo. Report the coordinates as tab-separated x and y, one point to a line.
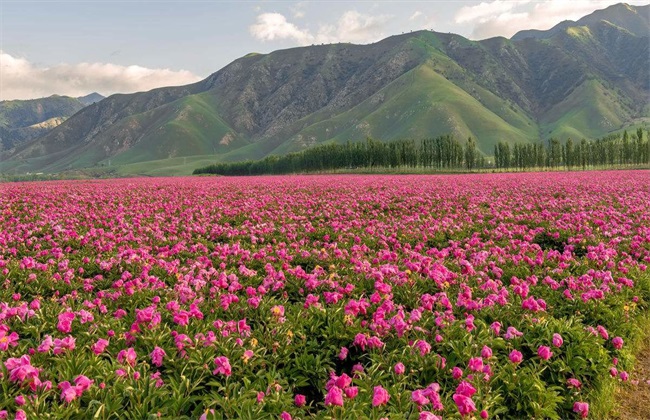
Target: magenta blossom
334	396
379	396
464	404
516	356
222	366
582	408
544	352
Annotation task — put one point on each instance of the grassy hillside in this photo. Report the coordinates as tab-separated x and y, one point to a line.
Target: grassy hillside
582	79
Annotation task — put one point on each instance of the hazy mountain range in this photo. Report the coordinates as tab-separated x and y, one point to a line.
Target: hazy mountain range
23	120
578	79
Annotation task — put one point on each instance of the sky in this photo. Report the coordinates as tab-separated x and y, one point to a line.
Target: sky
77	47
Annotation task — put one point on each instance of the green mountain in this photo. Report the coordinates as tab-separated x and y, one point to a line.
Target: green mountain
23	120
579	79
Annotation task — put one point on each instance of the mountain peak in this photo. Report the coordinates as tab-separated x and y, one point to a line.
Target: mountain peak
634	19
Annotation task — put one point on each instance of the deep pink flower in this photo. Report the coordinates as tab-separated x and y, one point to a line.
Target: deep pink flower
516	356
334	396
65	322
99	346
300	400
351	392
127	356
68	392
7	340
544	352
427	415
617	342
582	408
465	388
475	364
400	368
464	403
223	366
557	340
486	352
157	355
379	396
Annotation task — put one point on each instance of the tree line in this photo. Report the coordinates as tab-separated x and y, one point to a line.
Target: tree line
445	153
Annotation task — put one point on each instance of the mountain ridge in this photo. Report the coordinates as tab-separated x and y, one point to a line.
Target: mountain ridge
584	80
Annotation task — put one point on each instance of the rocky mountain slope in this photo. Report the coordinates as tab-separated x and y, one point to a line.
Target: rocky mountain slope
23	120
579	79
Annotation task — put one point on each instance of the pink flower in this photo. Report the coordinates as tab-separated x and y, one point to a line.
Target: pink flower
8	340
351	392
465	388
427	415
64	344
99	346
464	403
223	366
260	396
19	400
83	383
516	356
475	364
573	383
457	372
379	396
334	396
544	352
157	356
557	340
285	416
277	311
343	353
300	400
127	356
483	414
617	342
486	352
582	408
20	415
65	322
68	392
46	345
399	368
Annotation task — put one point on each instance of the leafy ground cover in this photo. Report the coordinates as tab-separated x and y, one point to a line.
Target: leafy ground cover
415	297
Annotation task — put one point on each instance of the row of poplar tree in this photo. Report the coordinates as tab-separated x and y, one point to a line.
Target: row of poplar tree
445	153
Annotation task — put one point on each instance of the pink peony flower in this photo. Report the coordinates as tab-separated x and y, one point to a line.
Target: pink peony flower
557	340
99	346
223	366
7	340
516	356
486	352
617	342
65	322
379	396
351	392
334	396
582	408
300	400
399	368
464	404
475	364
157	356
544	352
68	392
127	356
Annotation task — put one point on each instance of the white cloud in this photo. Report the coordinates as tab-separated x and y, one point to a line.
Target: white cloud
21	79
415	15
272	26
352	26
505	18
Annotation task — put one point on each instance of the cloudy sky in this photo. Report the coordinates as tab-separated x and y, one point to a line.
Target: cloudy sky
120	46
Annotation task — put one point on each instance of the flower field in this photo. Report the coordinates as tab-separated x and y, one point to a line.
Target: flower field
401	297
